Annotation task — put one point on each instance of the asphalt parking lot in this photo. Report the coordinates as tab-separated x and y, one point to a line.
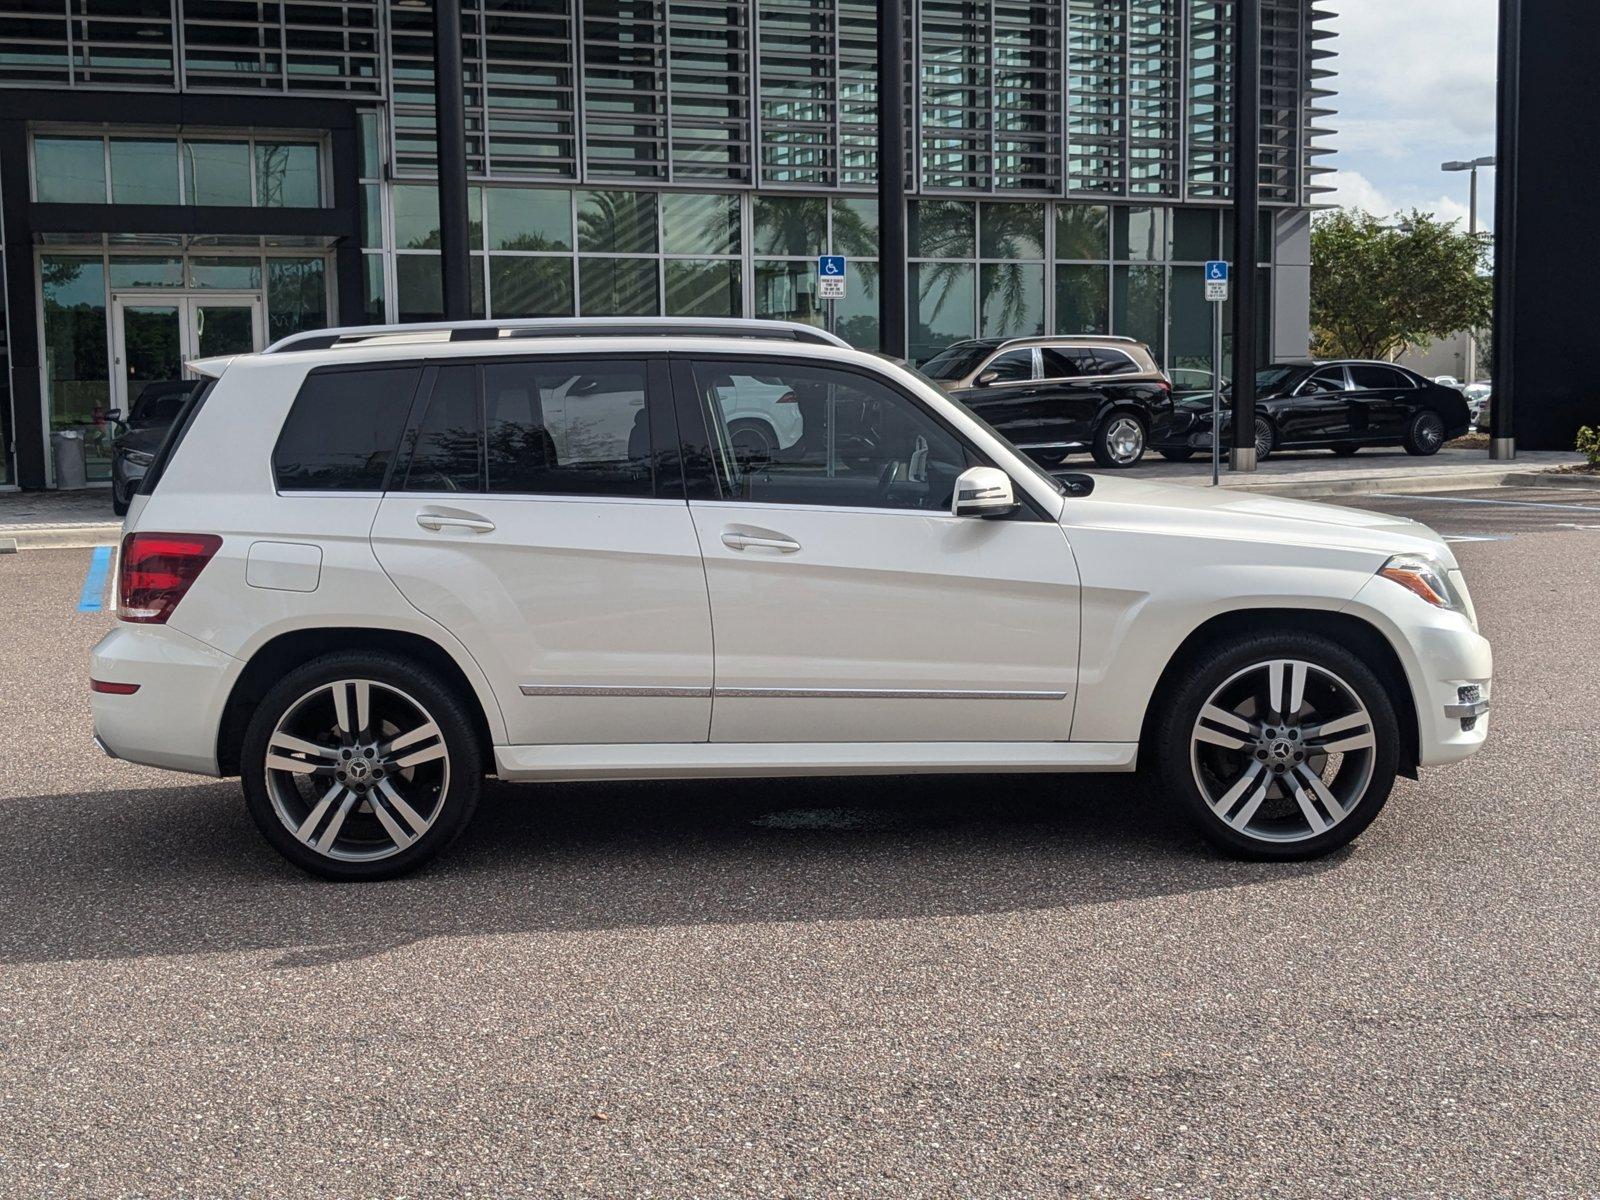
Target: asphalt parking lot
979	986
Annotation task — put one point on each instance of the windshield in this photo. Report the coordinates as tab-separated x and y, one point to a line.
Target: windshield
955	362
1055	485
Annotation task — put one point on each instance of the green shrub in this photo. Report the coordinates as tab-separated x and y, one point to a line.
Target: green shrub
1588	443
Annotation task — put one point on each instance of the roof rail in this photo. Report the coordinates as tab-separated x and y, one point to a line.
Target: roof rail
468	331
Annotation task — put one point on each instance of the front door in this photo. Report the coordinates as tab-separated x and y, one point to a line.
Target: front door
848	604
1317	412
154	335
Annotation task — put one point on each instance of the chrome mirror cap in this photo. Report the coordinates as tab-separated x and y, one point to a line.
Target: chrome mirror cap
983	492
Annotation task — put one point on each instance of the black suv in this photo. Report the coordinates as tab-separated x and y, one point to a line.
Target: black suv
1053	396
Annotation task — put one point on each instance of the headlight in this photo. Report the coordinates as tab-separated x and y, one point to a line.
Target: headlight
1426	577
138	458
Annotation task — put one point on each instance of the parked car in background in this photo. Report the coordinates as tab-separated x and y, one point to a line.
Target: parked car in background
1056	396
140	435
1448	381
369	568
1477	395
1340	406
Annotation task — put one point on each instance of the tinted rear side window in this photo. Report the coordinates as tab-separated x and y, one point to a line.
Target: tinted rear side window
1363	376
577	427
344	428
1068	362
1114	362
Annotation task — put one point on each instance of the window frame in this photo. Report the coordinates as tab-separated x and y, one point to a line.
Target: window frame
1301	389
1000	352
1399	380
694	418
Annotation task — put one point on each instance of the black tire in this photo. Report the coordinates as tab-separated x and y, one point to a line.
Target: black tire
119	505
1266	439
1345	451
1424	434
1182	759
455	799
1116	445
1177	455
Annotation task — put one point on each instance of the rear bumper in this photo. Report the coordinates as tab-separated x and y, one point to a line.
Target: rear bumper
172	720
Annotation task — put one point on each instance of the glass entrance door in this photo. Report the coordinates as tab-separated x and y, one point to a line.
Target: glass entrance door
153	337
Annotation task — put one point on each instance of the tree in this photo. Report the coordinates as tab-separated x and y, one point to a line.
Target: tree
1377	288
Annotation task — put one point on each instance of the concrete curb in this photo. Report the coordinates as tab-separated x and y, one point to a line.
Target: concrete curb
1366	485
1552	479
59	537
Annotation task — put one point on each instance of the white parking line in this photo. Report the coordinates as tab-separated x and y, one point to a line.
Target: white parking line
1476	500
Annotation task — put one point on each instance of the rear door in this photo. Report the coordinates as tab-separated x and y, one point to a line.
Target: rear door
1380	400
533	517
849	605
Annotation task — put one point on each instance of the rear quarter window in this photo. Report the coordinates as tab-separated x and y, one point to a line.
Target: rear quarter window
343	430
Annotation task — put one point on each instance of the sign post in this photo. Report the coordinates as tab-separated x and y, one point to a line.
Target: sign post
830	276
1216	276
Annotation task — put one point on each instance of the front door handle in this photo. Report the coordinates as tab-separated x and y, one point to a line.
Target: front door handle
437	521
750	541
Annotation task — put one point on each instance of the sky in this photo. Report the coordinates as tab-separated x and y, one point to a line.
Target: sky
1416	83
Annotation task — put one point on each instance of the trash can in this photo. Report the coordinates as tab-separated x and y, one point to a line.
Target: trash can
68	448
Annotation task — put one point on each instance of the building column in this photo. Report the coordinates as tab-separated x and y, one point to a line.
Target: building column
1246	210
892	178
450	121
1502	404
27	395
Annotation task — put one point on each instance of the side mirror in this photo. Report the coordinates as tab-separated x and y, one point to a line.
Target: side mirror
114	416
985	378
983	492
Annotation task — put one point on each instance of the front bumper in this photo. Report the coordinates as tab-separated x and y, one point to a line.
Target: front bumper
173	719
1448	664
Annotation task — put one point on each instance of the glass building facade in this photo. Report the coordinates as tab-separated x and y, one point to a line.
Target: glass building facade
1068	171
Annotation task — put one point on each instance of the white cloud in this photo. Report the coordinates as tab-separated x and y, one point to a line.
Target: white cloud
1352	189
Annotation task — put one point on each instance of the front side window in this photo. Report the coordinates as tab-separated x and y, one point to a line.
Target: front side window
1324	383
343	429
568	427
1011	367
840	438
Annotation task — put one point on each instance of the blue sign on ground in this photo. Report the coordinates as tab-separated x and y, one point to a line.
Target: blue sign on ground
830	266
1216	271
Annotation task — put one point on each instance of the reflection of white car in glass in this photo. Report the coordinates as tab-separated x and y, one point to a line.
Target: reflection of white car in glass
763	417
1477	395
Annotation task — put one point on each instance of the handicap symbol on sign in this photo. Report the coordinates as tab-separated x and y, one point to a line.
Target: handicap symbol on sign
830	264
1216	270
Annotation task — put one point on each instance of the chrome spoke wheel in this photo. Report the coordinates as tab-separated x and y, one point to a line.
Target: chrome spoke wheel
1430	432
1125	439
357	770
1263	439
1283	750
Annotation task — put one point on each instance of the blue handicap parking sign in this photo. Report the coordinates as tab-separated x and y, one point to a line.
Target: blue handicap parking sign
1216	271
830	266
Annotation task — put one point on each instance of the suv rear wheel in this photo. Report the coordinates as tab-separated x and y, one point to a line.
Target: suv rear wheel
361	766
1278	746
1119	441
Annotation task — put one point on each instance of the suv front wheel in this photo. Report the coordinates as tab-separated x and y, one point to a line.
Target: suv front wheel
1278	745
361	766
1119	441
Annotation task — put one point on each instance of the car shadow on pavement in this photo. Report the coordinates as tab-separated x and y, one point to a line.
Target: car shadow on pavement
183	870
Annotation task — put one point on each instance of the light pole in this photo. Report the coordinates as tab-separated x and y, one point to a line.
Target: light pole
1472	228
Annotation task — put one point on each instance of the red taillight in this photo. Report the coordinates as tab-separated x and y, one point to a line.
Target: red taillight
157	569
788	398
113	689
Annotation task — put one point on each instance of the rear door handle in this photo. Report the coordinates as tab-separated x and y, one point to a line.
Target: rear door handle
437	521
750	541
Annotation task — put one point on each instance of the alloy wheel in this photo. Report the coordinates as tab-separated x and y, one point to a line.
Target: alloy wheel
357	770
1283	751
1429	432
1263	439
1125	439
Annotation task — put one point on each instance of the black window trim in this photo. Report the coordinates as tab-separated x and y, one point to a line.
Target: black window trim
694	414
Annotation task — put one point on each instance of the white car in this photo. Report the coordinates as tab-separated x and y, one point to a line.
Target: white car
371	567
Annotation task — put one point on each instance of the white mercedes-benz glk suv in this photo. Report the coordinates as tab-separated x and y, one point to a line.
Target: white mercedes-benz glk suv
372	565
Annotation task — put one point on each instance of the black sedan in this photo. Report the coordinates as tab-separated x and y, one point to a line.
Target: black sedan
141	435
1338	406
